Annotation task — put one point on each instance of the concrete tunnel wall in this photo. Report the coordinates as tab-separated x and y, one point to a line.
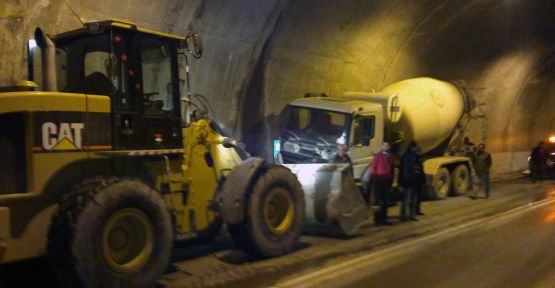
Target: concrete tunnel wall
261	54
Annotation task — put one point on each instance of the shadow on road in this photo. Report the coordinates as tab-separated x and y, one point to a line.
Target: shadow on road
31	273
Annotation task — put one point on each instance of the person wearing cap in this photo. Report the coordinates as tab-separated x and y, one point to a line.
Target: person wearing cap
341	156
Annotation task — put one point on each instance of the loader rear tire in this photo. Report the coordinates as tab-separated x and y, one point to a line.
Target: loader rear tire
274	215
110	232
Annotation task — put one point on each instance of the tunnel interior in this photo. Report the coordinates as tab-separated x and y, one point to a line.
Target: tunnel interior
259	55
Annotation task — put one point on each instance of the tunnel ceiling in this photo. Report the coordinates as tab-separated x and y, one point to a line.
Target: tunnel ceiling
261	54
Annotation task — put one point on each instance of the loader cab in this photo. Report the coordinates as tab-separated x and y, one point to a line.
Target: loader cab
137	69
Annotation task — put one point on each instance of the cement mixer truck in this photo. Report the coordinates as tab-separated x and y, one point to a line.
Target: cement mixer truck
422	109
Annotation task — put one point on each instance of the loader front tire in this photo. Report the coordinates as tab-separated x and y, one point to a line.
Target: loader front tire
110	232
274	215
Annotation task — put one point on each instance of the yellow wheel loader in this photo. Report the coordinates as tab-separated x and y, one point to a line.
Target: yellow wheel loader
101	172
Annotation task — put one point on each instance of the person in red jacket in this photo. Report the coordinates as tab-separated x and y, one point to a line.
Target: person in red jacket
381	175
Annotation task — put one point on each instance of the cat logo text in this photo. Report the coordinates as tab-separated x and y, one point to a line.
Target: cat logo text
65	136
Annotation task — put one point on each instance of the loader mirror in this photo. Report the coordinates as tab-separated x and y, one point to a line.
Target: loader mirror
197	44
192	44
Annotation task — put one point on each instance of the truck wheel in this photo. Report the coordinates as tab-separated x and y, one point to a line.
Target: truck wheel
460	180
440	185
110	232
275	214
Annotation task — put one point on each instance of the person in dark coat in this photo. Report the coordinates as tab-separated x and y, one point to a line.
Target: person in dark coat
482	165
381	175
537	159
421	187
341	157
410	178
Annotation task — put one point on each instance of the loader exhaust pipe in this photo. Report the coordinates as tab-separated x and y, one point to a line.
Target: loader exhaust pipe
48	60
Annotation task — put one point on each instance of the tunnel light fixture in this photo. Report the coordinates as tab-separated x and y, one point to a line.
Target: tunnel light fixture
552	139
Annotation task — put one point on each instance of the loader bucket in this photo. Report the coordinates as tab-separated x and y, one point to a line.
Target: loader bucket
332	198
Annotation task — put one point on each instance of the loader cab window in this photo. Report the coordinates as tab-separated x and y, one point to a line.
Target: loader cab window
363	130
97	76
84	65
156	67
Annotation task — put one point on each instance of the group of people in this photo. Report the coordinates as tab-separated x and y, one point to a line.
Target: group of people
411	177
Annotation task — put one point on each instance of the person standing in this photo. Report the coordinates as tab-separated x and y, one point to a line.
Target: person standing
421	187
411	175
537	159
341	156
381	175
482	166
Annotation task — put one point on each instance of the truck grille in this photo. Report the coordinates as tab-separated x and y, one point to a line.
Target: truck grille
12	149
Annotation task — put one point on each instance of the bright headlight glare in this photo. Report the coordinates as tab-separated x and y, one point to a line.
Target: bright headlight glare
325	154
291	147
296	148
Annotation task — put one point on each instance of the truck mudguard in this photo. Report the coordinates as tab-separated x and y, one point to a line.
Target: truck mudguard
432	165
232	196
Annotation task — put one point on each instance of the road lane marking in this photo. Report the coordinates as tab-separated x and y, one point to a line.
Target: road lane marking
398	251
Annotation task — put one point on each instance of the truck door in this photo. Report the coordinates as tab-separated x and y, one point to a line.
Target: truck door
363	143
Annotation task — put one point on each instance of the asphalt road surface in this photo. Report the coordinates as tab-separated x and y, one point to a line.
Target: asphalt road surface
512	249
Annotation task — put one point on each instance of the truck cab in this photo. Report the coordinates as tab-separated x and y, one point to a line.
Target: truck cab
312	127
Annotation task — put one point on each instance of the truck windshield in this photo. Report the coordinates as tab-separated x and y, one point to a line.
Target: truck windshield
316	123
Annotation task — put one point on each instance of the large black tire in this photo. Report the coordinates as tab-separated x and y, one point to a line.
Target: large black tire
460	180
440	185
274	215
110	232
